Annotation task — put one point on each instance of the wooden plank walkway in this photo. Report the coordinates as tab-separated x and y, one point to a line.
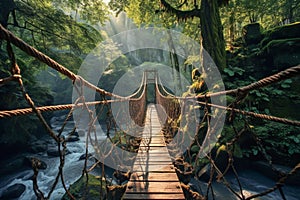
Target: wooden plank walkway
153	176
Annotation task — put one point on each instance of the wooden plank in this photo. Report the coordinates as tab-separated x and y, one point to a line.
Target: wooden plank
154	177
153	159
154	187
152	145
158	163
154	148
154	196
153	141
153	153
152	135
153	168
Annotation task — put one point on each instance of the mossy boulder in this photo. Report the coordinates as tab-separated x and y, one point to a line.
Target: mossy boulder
87	188
252	34
91	189
282	53
281	32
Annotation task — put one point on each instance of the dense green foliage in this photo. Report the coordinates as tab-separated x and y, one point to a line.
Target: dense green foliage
54	28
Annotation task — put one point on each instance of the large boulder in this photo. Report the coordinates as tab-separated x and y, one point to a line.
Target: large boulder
252	34
13	192
280	47
282	53
281	32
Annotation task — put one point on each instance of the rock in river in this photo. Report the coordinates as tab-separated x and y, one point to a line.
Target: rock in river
13	191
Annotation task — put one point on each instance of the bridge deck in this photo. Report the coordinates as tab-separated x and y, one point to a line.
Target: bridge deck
153	176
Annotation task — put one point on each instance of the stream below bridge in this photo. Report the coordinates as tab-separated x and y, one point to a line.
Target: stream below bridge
251	180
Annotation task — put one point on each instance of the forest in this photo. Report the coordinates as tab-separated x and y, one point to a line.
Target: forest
247	40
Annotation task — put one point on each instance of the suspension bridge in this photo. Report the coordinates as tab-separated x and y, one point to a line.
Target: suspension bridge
155	171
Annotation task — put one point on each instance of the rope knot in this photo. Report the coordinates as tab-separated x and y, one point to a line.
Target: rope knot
17	76
241	95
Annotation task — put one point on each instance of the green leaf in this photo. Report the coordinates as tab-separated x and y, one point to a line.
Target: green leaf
258	94
296	139
284	85
266	99
229	71
195	148
291	151
255	151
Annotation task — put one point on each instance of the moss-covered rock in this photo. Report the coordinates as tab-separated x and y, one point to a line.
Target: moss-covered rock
281	32
91	189
87	188
252	34
282	53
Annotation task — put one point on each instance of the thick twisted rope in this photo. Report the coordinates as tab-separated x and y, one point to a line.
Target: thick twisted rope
26	111
10	37
253	114
242	91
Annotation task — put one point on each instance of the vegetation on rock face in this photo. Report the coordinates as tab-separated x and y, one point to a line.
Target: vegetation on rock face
87	188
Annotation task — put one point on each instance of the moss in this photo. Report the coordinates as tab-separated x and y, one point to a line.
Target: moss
282	44
82	189
281	32
282	52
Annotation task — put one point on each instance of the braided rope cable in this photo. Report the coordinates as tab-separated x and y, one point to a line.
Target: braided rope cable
26	111
242	91
10	37
253	114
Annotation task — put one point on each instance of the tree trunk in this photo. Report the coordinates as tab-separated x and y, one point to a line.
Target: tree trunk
212	32
232	29
6	7
175	63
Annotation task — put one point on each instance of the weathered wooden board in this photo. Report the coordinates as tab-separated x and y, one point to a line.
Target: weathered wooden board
157	158
154	177
154	187
153	168
154	196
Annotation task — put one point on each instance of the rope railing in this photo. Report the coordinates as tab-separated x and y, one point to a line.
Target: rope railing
253	114
242	91
169	101
26	111
137	104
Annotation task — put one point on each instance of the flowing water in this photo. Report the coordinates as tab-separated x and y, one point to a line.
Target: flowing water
72	169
